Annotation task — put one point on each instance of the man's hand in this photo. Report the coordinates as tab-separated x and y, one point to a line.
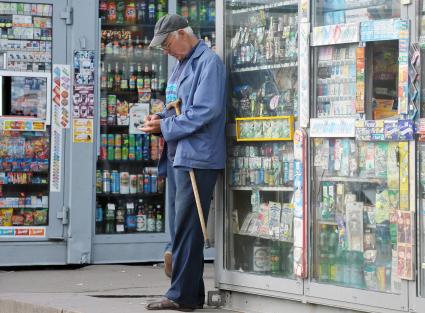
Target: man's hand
152	124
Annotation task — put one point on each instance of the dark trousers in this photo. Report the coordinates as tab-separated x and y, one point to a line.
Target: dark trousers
187	284
170	201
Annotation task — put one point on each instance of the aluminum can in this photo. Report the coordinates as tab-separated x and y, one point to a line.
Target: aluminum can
115	182
99	181
147	184
118	140
103	111
106	179
111	140
124	183
146	147
140	182
154	183
133	183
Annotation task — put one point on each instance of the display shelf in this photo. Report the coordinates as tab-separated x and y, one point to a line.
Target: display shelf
125	58
264	67
267	237
241	123
127	162
337	80
335	98
352	179
130	195
265	6
261	188
24	185
326	63
333	223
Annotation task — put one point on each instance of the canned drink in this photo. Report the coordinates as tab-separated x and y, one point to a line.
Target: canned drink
103	153
112	109
140	181
104	140
133	183
118	140
99	181
146	184
103	111
131	140
124	150
118	153
252	176
146	147
115	182
285	172
154	185
111	140
124	183
154	148
106	179
111	153
131	153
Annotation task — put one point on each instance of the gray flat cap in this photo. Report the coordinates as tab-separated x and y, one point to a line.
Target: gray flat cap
166	25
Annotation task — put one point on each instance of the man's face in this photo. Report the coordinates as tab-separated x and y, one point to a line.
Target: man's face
178	45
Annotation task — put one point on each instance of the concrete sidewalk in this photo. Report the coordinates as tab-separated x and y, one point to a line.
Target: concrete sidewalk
90	289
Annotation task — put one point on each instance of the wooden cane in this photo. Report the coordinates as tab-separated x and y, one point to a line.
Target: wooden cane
176	105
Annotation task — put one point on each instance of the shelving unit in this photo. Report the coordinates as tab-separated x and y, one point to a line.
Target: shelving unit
264	67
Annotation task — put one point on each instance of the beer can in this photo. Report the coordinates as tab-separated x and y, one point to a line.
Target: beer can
146	184
124	183
106	179
133	183
103	140
140	181
103	111
154	148
146	147
99	181
111	153
118	141
103	153
112	109
153	181
111	140
132	140
115	182
131	153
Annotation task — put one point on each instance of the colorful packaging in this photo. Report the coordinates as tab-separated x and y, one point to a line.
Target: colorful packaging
404	175
392	164
381	150
6	217
40	217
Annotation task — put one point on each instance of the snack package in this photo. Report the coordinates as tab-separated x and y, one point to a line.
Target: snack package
286	223
28	217
6	217
381	149
40	217
392	166
18	217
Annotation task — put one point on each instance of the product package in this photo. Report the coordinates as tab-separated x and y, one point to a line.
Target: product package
355	226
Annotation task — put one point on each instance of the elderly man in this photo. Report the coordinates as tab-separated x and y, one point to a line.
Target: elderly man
195	140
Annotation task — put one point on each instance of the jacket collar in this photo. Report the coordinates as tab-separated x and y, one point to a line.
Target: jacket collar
202	46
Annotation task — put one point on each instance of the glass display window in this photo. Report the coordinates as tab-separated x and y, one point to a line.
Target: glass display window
261	45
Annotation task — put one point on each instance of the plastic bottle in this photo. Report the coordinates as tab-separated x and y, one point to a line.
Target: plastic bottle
112	12
120	218
141	223
110	218
99	219
159	219
151	11
151	219
130	219
120	11
141	11
275	258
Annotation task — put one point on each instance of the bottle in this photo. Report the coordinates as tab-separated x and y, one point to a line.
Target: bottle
109	47
141	12
147	78
211	11
130	47
261	257
118	143
112	12
161	8
130	219
154	78
137	51
202	12
184	9
162	82
103	9
132	83
123	46
99	181
130	12
117	77
193	10
159	224
151	11
99	219
103	77
124	78
141	223
120	218
151	219
140	78
120	11
110	218
275	261
146	147
116	48
110	77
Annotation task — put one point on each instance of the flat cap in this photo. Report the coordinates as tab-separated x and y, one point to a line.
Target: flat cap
165	25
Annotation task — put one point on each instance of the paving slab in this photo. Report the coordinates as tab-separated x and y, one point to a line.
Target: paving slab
89	289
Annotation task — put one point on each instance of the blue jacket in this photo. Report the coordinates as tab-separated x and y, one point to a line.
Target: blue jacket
199	130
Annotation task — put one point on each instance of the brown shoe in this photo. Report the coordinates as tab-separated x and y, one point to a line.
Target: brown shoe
167	304
168	263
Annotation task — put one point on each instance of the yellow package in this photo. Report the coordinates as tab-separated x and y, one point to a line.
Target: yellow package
404	175
6	217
